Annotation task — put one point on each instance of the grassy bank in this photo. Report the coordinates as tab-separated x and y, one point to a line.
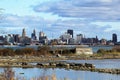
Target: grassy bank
43	54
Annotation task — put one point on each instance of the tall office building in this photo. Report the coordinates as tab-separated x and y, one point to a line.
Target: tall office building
43	38
16	38
33	35
114	38
70	32
79	38
23	33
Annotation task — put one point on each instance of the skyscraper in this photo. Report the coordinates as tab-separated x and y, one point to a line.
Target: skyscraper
43	38
33	35
79	38
70	32
23	33
114	38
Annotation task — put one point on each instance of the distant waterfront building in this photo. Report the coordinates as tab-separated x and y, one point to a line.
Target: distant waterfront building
23	33
1	40
43	38
16	38
9	38
79	38
65	37
114	38
69	31
33	35
25	40
103	41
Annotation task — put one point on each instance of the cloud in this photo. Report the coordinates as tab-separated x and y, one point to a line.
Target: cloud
101	10
83	27
15	24
53	28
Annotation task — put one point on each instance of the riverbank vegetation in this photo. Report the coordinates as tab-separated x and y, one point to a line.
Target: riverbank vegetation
112	53
40	51
25	51
46	52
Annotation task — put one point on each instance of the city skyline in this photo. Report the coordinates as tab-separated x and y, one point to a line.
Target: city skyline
89	17
65	38
35	36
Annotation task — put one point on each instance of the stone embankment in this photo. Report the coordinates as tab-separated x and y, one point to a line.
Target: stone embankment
77	66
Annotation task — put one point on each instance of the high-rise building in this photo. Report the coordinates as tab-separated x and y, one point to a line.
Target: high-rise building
16	38
114	38
23	33
65	37
41	34
43	38
33	35
69	31
79	38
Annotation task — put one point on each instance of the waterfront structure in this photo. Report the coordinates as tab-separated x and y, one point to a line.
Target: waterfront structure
9	39
23	33
83	50
69	31
65	37
16	38
1	40
25	40
103	41
79	38
114	38
43	38
77	49
33	35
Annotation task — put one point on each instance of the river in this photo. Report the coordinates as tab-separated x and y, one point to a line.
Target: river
64	74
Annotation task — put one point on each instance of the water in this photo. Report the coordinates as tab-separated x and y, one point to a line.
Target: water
96	48
64	74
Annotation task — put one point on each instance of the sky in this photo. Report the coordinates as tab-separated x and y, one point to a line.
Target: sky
54	17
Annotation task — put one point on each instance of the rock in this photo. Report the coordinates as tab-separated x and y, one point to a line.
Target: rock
89	65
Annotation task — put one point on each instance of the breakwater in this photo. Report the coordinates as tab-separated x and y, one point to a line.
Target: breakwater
60	64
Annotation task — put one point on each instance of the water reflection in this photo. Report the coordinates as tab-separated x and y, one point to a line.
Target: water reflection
63	74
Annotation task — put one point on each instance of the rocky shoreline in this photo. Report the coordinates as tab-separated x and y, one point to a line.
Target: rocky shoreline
41	62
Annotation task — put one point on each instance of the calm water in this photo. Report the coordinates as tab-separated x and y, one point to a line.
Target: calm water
63	74
96	48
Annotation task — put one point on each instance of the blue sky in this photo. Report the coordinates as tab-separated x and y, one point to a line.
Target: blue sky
90	17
